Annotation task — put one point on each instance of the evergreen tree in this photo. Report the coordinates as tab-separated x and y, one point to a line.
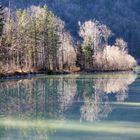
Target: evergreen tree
1	19
88	54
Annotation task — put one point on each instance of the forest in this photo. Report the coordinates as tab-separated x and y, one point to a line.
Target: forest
35	39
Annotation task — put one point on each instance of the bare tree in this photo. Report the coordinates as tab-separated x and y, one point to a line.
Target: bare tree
121	44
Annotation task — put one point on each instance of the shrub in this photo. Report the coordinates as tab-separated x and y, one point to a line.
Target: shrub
113	58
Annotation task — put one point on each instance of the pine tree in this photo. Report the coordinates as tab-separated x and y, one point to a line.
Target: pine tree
88	53
1	19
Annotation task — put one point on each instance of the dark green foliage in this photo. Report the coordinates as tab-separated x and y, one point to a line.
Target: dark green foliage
1	19
88	54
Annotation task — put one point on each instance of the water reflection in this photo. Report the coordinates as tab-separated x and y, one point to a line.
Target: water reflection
97	106
83	97
61	107
118	85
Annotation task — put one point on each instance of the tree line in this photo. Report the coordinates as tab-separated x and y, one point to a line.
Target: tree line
34	39
95	53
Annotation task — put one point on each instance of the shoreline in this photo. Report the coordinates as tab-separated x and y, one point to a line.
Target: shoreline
18	75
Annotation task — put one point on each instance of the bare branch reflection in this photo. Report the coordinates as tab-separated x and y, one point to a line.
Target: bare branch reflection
84	97
98	107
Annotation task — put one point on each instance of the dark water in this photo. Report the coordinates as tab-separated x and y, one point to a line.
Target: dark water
71	107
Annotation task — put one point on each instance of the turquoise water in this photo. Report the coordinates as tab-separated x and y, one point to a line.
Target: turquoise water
71	107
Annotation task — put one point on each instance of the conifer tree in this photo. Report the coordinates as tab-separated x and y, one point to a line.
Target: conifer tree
1	19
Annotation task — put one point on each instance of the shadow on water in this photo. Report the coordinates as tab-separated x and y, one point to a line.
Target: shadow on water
70	107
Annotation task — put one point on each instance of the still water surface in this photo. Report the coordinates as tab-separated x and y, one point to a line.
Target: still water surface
71	107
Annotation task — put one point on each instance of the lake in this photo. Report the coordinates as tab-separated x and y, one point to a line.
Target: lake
103	106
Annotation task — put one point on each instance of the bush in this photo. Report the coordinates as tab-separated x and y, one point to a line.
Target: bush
112	58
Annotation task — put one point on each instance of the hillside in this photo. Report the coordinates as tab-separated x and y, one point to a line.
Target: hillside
121	16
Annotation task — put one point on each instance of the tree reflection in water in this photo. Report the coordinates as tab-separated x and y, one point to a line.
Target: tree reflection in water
52	97
98	106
